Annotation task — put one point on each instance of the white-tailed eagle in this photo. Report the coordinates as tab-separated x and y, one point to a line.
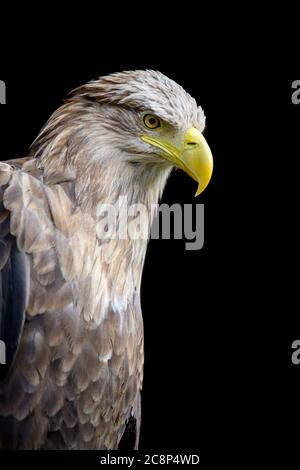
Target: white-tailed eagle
70	314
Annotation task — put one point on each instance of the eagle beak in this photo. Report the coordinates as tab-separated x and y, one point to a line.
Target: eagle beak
195	158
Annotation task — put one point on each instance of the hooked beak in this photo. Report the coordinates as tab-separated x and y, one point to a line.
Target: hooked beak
195	158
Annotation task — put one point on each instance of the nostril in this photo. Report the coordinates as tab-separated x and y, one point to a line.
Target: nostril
191	144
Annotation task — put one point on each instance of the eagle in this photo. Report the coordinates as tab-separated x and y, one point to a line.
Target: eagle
70	314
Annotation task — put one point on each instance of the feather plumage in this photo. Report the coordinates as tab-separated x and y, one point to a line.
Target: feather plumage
75	328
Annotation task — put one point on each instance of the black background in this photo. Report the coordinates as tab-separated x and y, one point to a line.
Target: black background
219	322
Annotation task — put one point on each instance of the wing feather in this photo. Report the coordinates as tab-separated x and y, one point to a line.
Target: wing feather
75	370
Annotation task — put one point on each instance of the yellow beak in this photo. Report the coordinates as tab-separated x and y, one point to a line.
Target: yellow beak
195	158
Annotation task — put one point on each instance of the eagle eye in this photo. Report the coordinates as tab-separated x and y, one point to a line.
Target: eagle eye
150	121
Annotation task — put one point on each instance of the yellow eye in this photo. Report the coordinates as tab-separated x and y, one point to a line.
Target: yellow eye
152	122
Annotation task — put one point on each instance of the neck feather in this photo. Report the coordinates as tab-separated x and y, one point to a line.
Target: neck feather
89	161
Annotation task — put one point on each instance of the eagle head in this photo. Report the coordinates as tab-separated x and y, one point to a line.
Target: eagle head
133	119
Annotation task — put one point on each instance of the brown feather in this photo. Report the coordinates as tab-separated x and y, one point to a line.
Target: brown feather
78	372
